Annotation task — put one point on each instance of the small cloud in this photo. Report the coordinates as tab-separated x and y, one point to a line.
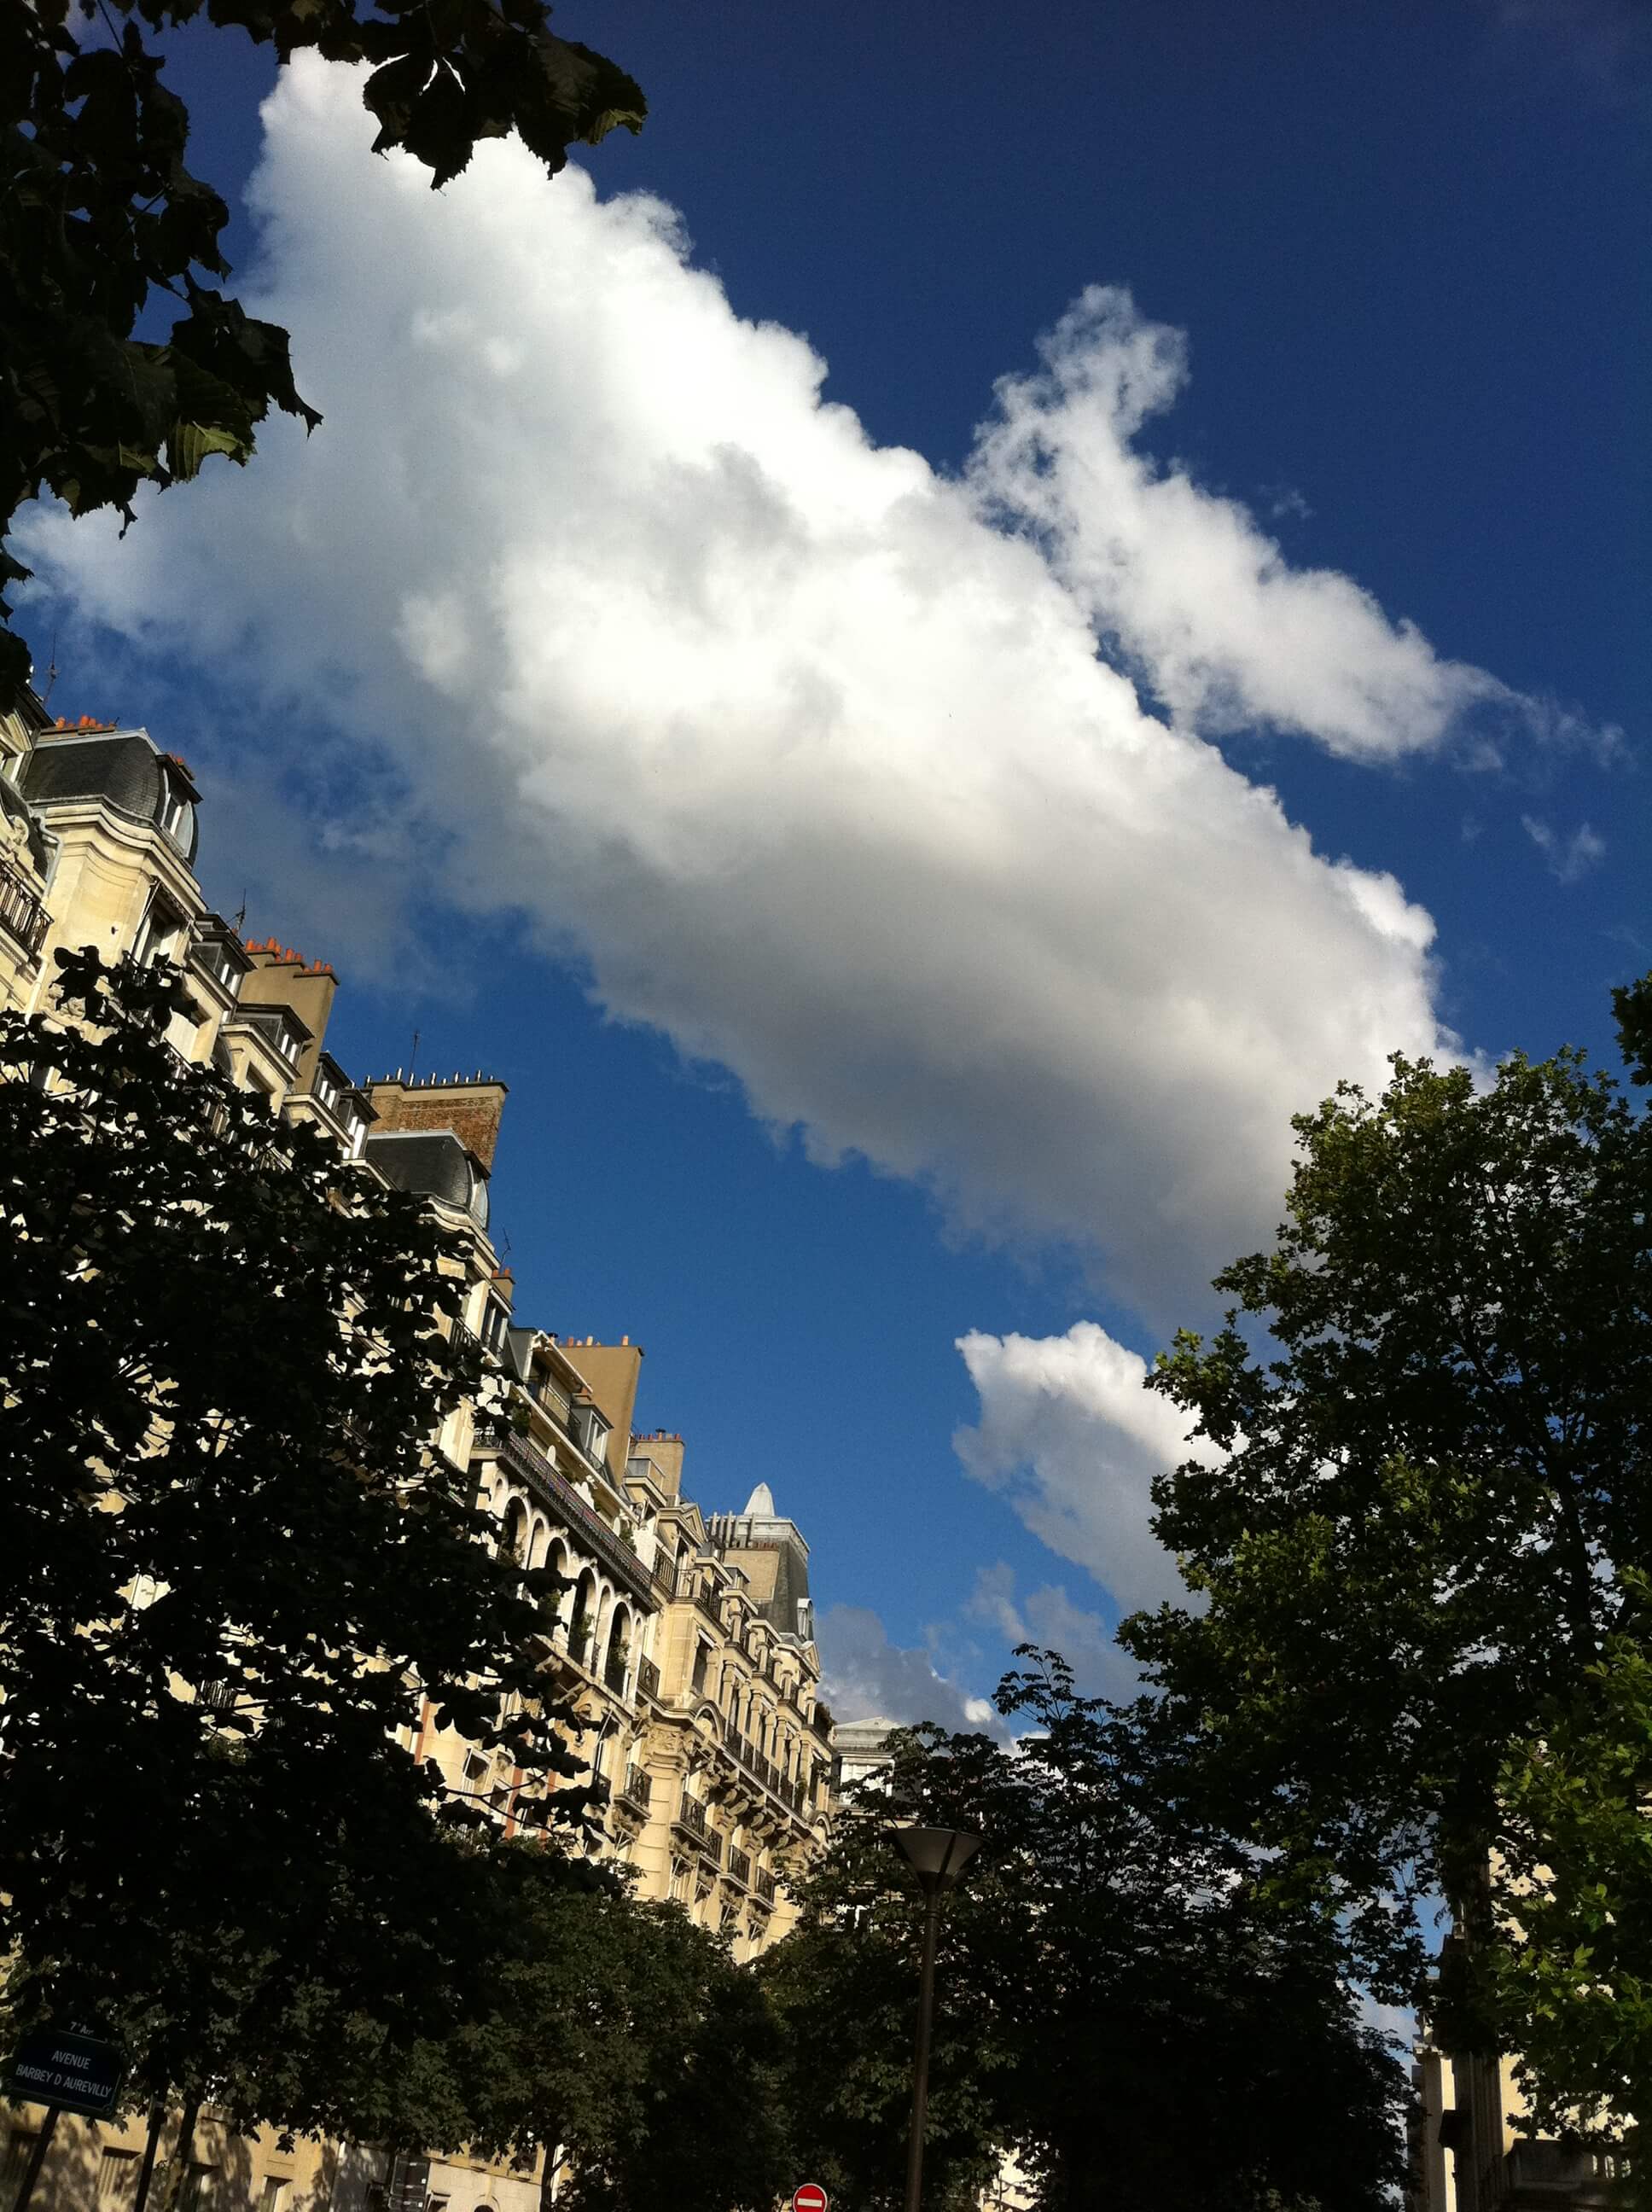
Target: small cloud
1286	503
1568	858
1071	1435
1473	830
867	1677
1048	1617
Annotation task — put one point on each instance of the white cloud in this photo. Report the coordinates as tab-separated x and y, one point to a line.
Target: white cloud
1049	1618
865	1677
1199	599
1568	858
1069	1434
805	748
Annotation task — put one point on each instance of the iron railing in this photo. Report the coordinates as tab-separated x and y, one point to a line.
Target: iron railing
648	1678
692	1815
739	1868
637	1788
24	915
580	1520
766	1887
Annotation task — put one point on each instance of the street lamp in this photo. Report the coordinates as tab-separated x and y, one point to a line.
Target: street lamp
938	1856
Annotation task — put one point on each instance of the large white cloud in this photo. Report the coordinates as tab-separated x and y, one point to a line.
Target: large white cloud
805	747
1070	1433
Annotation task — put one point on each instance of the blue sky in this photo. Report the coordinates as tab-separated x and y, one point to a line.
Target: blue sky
869	967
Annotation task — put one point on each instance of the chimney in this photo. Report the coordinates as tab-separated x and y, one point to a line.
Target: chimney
664	1455
470	1106
610	1373
280	978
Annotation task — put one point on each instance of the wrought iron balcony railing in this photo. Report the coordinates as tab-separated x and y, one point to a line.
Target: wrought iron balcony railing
23	915
637	1789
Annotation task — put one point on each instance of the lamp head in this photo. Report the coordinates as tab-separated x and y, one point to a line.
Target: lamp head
937	1855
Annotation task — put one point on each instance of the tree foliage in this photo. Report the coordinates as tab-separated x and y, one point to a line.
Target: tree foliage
1117	2003
100	212
1423	1634
237	1578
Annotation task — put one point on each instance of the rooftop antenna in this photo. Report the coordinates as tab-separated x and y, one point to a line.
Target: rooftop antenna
52	669
412	1056
241	915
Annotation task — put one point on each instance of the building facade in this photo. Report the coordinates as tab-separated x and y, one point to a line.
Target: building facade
683	1643
1472	2150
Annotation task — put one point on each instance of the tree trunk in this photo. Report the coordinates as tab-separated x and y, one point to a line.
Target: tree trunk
178	2168
151	2143
36	2160
547	2179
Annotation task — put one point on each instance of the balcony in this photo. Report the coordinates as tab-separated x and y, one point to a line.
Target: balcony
637	1789
712	1845
615	1670
765	1886
1561	2175
22	914
582	1521
648	1680
552	1396
463	1344
765	1771
691	1816
739	1868
692	1590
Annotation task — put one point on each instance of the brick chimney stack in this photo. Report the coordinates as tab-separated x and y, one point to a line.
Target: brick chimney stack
471	1106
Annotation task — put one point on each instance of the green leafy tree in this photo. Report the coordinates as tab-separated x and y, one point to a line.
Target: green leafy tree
1117	2002
238	1576
100	213
1565	1987
1419	1556
618	2039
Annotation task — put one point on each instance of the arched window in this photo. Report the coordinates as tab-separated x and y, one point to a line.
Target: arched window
618	1663
513	1545
582	1622
537	1544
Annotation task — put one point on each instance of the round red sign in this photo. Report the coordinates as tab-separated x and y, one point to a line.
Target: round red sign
811	2197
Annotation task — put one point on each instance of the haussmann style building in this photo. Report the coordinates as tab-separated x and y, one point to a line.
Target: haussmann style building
683	1641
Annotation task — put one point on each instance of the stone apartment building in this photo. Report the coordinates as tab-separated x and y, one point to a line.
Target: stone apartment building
1470	2153
683	1642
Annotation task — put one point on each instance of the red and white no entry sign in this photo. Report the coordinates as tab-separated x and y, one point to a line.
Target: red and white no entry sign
811	2197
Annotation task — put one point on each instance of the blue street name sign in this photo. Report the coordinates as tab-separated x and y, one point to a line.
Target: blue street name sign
75	2072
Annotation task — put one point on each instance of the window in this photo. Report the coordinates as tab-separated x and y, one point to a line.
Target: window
701	1654
494	1322
590	1432
20	2148
175	815
273	2198
117	2177
161	936
200	2191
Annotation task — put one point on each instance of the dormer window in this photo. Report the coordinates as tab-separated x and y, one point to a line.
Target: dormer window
161	936
495	1320
175	815
590	1432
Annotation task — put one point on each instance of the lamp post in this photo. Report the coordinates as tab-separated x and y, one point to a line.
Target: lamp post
938	1856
